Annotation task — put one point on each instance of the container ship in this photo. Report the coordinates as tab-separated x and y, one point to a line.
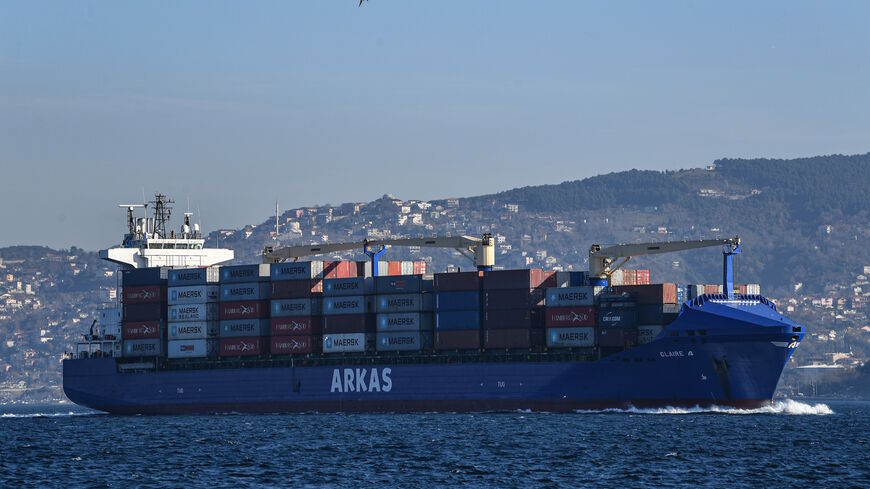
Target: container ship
191	336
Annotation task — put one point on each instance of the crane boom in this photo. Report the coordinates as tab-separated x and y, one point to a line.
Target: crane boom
483	248
601	259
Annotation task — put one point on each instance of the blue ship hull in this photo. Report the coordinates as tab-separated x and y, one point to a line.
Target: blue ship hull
717	352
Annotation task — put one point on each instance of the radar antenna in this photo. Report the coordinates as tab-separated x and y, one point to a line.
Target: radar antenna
162	211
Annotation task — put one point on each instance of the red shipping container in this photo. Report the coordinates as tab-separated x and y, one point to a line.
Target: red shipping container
349	323
650	294
643	277
244	310
463	339
394	268
288	345
457	282
629	276
513	318
297	325
507	338
513	298
339	269
527	278
562	317
140	330
241	347
296	289
143	294
713	289
419	268
740	288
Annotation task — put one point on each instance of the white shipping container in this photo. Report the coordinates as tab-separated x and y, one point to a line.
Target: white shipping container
191	348
647	333
193	294
582	337
407	267
616	278
572	296
349	342
753	289
193	330
194	312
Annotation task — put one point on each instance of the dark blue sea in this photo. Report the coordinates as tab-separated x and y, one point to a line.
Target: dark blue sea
792	444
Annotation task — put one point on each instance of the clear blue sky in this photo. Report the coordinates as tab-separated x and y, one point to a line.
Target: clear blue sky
235	104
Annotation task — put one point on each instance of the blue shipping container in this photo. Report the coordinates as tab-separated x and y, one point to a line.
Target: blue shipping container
252	291
142	276
347	286
457	320
301	270
244	273
578	279
457	301
617	317
399	284
404	303
354	304
297	307
405	321
237	328
182	277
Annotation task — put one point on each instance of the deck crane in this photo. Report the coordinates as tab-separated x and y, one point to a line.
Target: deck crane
480	250
601	259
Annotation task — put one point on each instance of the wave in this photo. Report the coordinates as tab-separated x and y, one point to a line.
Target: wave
48	415
785	406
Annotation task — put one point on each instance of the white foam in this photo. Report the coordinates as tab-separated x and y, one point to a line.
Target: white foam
785	406
48	415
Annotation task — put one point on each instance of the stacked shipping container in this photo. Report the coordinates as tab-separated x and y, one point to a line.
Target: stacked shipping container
193	325
297	304
457	311
571	316
244	310
404	307
348	323
143	327
513	313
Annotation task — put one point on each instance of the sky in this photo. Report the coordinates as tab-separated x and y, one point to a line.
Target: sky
233	105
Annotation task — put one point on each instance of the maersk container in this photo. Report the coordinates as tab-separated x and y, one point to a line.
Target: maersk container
193	294
647	333
297	307
513	298
185	277
193	330
457	281
348	343
143	348
144	276
339	269
617	317
404	341
560	317
570	337
299	270
651	294
141	330
464	339
405	303
295	345
507	338
244	273
143	294
657	313
513	318
349	323
399	284
244	310
192	348
457	320
296	289
194	312
457	301
296	325
236	328
572	296
354	304
347	286
528	278
144	312
405	321
242	347
248	291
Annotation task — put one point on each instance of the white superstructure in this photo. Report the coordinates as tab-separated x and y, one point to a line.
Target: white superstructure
148	244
